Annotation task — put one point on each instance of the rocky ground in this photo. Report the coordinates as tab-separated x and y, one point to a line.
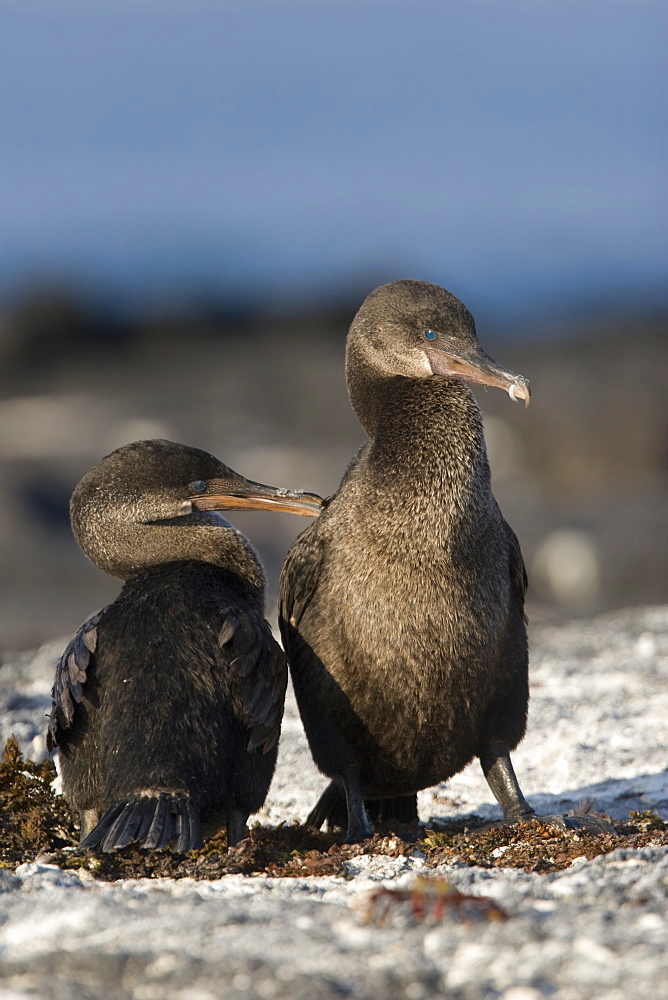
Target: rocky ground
452	909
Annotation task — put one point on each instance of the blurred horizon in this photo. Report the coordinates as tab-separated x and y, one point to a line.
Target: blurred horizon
269	152
195	198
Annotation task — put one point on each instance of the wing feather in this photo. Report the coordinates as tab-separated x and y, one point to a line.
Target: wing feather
259	666
251	655
518	573
68	683
299	580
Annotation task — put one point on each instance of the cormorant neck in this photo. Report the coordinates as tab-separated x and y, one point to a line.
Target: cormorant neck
123	547
428	446
366	384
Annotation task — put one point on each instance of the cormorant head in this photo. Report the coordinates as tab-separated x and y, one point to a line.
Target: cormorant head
417	330
155	501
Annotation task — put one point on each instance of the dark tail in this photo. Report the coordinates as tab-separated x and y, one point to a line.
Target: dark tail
152	821
331	808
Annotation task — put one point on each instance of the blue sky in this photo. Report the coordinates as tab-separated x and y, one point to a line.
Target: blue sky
508	150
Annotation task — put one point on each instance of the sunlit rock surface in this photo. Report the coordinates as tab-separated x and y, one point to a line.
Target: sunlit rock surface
598	729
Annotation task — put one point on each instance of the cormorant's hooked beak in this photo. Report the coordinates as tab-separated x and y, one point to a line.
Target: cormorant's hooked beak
478	367
220	494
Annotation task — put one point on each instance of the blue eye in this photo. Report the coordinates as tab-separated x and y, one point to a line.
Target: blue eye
198	486
430	335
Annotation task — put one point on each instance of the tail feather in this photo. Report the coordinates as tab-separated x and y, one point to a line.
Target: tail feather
331	808
145	825
100	831
179	822
124	829
160	828
190	828
151	821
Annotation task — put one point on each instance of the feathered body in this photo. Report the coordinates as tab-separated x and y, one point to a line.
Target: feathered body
402	605
167	703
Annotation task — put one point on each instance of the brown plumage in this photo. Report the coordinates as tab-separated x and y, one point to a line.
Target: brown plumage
402	606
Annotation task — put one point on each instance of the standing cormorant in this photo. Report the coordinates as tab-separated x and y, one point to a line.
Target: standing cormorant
167	704
402	606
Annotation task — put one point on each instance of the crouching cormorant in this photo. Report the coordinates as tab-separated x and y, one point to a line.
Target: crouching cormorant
402	606
167	704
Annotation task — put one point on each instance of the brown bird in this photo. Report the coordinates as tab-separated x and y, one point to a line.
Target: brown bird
402	606
167	704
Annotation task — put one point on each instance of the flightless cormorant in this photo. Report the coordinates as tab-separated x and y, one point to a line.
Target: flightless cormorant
167	704
402	606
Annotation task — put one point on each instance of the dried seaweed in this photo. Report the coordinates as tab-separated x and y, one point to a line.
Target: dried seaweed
35	822
536	845
33	818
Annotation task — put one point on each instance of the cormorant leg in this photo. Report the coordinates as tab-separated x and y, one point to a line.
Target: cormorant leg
89	820
498	769
236	825
215	822
359	825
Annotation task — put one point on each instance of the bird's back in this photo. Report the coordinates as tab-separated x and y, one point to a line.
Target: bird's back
161	698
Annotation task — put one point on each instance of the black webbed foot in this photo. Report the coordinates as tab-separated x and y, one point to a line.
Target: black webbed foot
498	769
359	831
579	821
331	808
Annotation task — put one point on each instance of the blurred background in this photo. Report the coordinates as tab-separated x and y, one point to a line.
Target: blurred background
196	197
